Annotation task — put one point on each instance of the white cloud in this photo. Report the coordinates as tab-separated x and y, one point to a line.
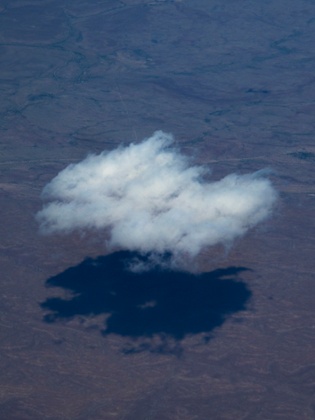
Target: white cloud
152	201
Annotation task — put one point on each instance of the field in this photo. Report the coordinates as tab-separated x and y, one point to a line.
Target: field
81	338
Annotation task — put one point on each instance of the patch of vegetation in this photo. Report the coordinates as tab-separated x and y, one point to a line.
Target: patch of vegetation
303	155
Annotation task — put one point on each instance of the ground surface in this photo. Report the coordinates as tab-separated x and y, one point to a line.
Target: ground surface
234	82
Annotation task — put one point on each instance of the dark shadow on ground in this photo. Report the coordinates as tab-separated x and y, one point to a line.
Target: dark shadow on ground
163	303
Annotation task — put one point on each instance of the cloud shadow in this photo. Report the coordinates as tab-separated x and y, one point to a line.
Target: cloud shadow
167	304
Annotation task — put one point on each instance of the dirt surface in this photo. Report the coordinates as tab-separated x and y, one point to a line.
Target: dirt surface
80	337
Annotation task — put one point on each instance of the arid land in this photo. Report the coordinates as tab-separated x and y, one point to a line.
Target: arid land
234	82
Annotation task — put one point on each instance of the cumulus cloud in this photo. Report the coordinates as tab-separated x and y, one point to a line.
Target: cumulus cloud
150	200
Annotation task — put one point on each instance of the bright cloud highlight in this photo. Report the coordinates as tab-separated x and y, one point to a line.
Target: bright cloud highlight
152	201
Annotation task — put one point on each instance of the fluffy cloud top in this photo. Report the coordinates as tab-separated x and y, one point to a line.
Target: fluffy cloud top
152	201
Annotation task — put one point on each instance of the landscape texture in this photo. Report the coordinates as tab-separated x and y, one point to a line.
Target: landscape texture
86	332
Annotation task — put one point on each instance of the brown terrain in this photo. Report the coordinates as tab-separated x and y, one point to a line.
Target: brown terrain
234	82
